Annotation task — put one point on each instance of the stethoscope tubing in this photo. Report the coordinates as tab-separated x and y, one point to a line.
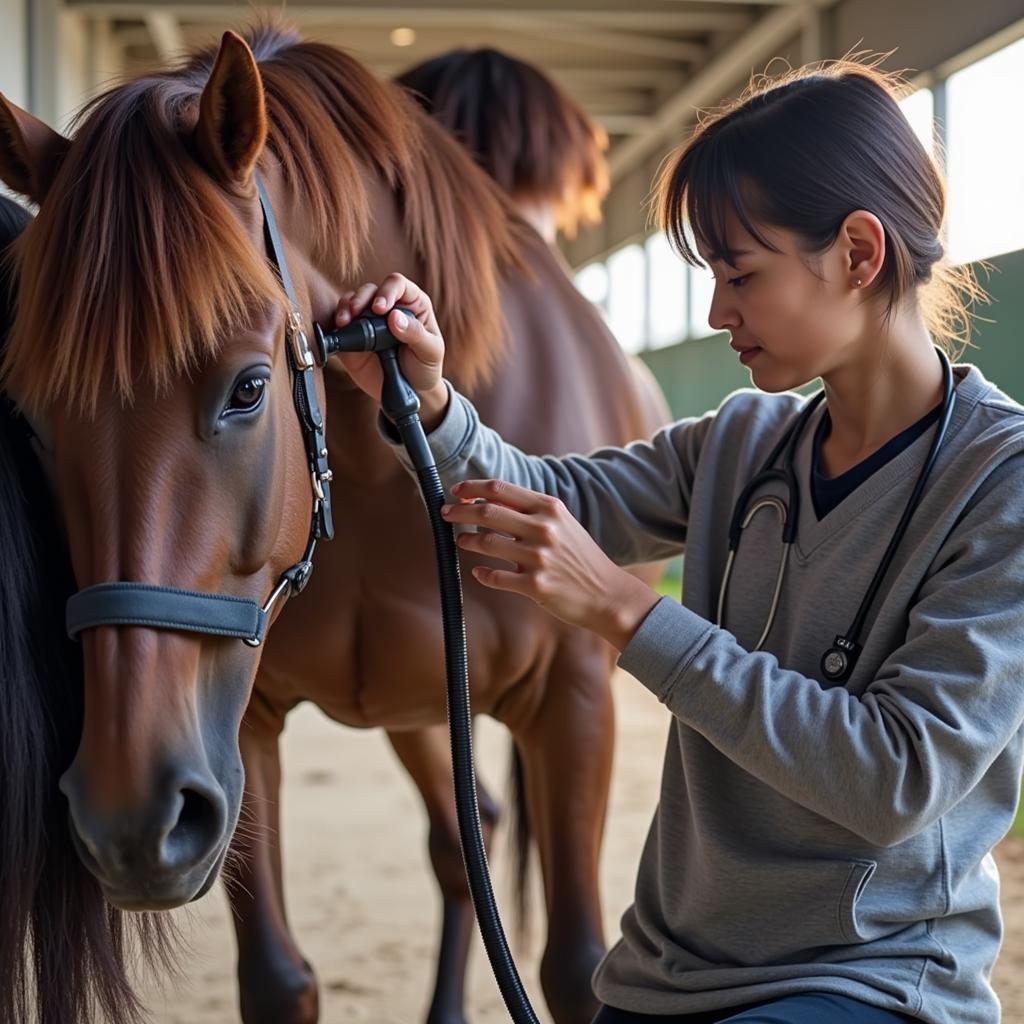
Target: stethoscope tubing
846	646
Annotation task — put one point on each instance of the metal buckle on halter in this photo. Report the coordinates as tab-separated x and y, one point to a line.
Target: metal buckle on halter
293	579
319	479
301	352
283	584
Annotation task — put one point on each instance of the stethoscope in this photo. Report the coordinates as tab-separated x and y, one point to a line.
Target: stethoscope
838	661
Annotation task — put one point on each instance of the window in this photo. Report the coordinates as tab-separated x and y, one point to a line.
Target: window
592	282
985	162
919	110
702	291
627	297
666	293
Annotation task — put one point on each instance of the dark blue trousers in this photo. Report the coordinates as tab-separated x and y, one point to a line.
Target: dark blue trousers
806	1008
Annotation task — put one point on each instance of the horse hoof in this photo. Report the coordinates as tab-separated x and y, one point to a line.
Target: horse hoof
284	997
565	975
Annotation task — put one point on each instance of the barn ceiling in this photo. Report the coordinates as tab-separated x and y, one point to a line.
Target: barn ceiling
638	68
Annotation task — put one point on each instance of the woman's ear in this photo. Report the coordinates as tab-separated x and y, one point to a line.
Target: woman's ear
861	243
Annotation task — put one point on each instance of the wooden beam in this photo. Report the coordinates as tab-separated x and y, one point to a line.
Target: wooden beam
688	18
677	50
711	82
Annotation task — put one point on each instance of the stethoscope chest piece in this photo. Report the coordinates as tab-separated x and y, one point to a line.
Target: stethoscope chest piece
838	661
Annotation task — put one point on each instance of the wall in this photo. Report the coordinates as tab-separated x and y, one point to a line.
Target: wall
14	51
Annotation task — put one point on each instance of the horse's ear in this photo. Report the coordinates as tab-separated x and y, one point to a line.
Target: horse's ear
232	125
30	151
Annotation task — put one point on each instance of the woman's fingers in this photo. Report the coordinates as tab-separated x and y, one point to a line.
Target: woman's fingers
493	516
497	545
419	333
352	305
427	347
398	290
502	579
522	499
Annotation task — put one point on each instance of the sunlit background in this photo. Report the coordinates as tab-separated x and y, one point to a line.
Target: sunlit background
977	136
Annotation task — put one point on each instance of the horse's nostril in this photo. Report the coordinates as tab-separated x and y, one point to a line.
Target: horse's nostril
196	832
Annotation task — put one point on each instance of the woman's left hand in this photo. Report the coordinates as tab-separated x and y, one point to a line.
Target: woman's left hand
554	560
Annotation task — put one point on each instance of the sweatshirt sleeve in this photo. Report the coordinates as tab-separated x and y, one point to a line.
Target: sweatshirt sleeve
634	501
942	707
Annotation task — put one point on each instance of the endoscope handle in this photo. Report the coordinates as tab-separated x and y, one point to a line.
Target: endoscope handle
397	398
367	333
401	405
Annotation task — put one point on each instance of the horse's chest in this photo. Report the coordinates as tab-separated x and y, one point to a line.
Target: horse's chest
365	642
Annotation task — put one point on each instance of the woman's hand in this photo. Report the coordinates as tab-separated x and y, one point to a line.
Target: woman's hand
422	352
554	560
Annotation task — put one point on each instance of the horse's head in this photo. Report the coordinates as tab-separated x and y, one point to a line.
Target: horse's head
150	354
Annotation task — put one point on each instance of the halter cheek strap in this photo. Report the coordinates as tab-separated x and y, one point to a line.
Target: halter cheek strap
128	603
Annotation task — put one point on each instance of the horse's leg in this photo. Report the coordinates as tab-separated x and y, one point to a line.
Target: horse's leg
567	757
276	984
426	755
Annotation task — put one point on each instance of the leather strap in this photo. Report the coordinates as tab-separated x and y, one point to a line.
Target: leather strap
301	360
140	604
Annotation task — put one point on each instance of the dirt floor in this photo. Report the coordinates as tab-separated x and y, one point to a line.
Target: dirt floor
362	900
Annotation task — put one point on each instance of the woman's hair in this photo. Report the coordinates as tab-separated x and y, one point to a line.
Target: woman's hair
535	141
801	152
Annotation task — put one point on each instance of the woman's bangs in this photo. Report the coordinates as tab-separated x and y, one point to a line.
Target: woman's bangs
699	196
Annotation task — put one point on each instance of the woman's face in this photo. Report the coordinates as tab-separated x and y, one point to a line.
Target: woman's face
792	316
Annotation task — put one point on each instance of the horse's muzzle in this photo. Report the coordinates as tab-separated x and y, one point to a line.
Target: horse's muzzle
160	856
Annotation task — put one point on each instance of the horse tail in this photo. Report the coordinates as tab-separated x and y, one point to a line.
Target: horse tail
63	949
520	838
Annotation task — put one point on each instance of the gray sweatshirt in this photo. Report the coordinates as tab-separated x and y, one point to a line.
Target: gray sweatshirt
813	836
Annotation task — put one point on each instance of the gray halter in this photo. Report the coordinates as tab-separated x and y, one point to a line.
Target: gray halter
127	603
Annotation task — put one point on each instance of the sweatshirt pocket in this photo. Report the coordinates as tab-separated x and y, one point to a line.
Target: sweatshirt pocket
856	881
774	912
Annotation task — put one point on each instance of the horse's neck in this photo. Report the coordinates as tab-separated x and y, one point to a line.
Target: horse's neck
357	451
560	362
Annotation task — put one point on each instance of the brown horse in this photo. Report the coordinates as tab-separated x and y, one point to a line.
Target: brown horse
148	353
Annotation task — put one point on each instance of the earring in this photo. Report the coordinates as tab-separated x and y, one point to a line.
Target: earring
858	282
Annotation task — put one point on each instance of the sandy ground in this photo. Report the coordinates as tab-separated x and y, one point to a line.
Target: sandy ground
363	902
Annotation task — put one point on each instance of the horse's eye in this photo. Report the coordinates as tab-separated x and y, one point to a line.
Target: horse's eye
248	394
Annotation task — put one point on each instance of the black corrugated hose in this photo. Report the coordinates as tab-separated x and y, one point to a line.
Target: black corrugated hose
370	333
461	728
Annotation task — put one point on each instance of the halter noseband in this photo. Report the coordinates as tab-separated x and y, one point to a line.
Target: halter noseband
143	604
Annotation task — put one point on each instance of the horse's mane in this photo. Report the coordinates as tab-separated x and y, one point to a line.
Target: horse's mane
63	949
137	264
535	140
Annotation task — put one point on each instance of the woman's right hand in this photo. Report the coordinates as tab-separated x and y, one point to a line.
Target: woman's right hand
422	353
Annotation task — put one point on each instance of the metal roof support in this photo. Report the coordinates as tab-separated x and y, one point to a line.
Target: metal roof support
758	44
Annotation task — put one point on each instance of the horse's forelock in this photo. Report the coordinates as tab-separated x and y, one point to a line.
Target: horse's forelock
137	266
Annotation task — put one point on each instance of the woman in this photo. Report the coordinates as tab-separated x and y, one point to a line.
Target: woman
846	741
